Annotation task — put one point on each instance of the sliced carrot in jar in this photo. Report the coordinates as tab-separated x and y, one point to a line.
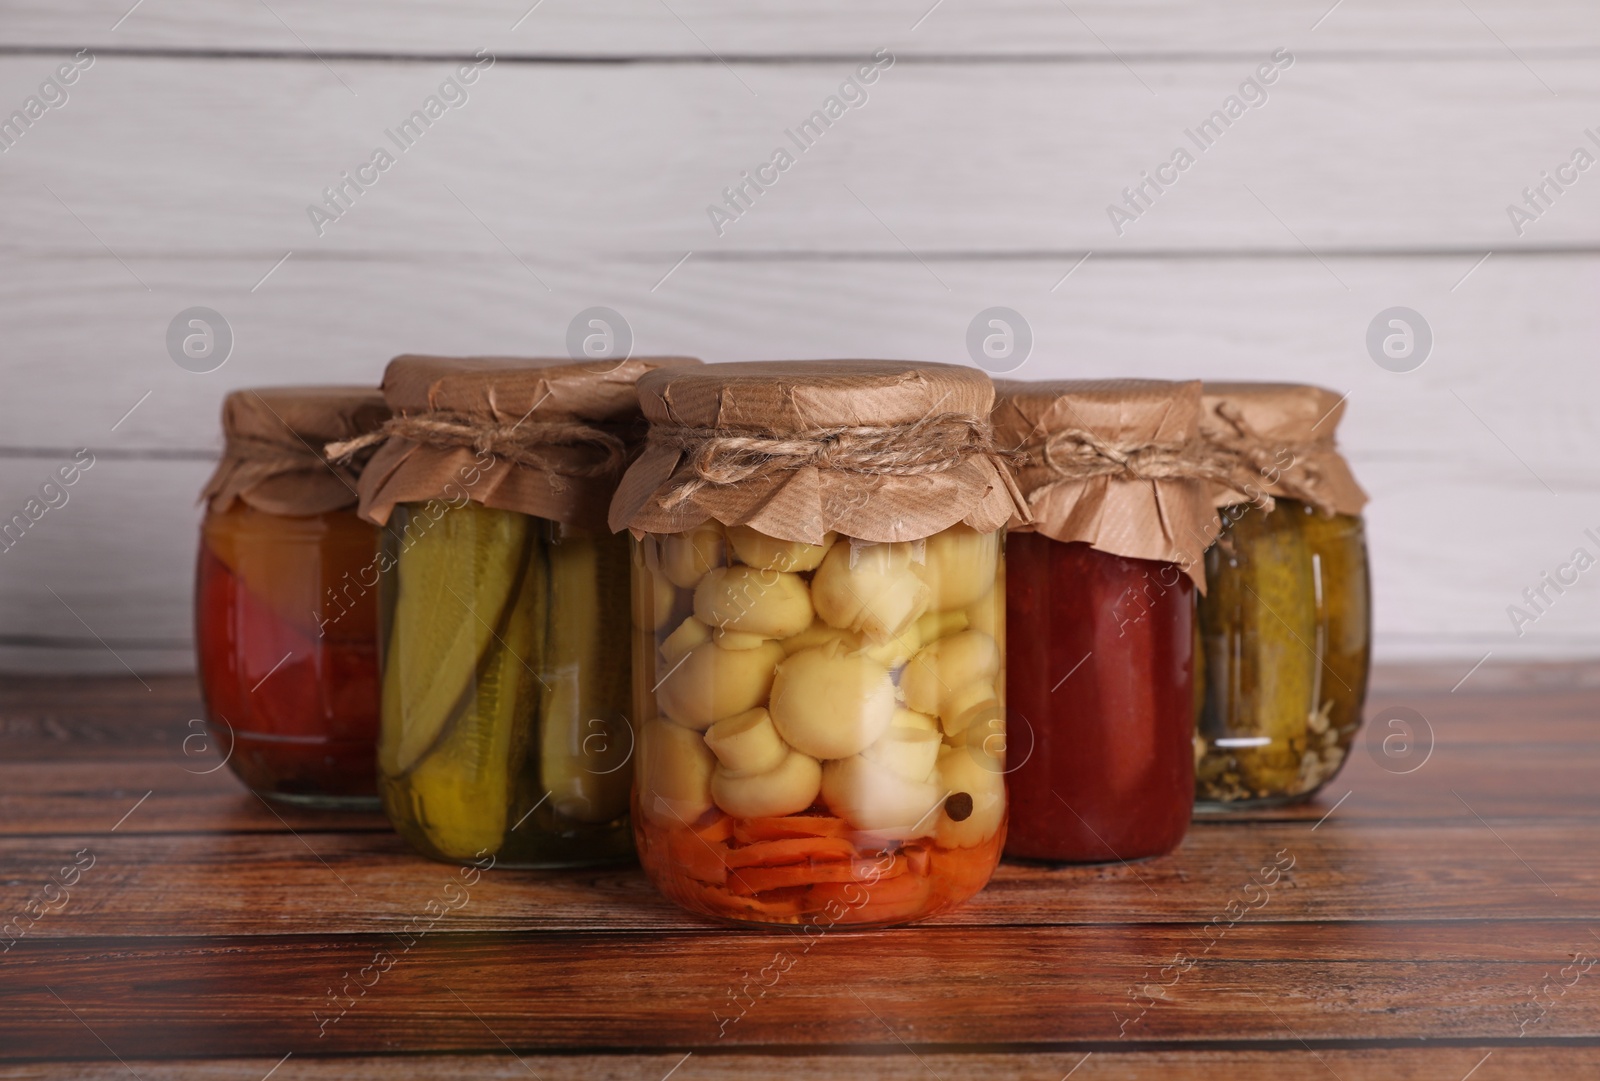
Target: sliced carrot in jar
791	850
751	830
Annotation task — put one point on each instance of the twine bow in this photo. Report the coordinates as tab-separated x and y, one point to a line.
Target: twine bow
723	456
1078	454
1301	479
524	443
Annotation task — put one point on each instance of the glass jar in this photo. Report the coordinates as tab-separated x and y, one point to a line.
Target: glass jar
826	737
505	687
1102	662
1285	635
286	643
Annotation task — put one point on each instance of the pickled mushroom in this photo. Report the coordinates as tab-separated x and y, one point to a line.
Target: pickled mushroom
910	752
768	553
959	566
968	771
828	703
872	797
746	742
687	556
674	772
773	604
869	588
787	789
711	683
939	670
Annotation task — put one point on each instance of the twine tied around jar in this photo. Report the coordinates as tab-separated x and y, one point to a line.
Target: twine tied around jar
1078	454
524	443
718	457
1301	479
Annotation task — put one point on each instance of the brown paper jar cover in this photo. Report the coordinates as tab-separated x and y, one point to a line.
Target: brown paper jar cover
1162	511
1286	431
522	396
801	400
272	455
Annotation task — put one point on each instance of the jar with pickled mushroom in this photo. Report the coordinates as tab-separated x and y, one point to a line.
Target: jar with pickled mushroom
1284	632
1100	613
285	612
507	727
819	640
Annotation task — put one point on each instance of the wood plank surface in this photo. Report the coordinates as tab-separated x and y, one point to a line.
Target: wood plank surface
928	987
1432	921
1497	1062
625	160
1465	430
693	29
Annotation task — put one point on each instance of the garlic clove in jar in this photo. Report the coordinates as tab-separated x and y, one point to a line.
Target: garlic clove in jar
690	633
976	799
959	566
674	772
872	797
653	600
710	683
819	633
912	753
869	588
945	667
737	639
687	556
788	788
905	718
746	742
755	548
976	703
937	625
772	604
829	703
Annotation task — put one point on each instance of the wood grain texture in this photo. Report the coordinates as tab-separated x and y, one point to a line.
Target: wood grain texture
1497	1062
989	987
692	29
120	552
940	158
1409	934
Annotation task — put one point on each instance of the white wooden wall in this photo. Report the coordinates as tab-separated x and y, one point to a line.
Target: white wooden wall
1376	174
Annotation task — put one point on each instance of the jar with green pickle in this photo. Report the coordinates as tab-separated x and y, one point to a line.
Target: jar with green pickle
504	608
1284	629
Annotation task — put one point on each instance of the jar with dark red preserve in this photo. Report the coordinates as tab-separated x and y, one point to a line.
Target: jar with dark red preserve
285	599
1099	614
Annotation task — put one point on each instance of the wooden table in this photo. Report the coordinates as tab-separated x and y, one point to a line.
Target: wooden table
1435	923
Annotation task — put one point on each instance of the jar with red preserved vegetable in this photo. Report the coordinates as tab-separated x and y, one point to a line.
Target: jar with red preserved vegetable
1100	615
285	604
819	639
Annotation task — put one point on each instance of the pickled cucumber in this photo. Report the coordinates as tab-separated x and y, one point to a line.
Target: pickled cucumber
462	787
453	585
1344	621
583	744
1258	626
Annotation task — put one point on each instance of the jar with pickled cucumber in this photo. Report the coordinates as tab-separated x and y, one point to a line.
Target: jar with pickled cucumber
506	677
826	732
1284	631
285	616
1101	587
